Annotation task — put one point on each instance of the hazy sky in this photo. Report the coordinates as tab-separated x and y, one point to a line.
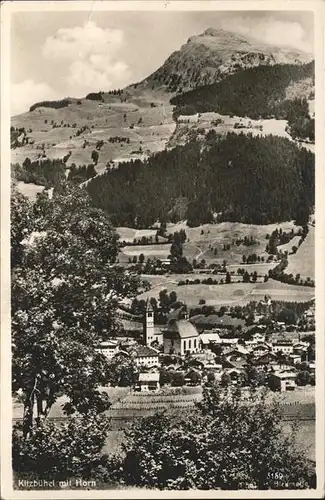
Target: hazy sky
60	54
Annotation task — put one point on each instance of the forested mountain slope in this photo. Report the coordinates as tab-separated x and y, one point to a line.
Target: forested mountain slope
242	178
281	91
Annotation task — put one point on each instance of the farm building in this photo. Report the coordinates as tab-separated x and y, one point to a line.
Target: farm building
188	118
283	381
148	382
165	262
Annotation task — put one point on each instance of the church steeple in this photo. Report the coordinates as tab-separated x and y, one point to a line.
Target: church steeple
149	326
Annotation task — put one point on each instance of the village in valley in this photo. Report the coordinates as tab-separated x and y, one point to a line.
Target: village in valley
270	353
163	270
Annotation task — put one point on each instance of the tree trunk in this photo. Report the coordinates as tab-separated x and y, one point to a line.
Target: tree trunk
28	415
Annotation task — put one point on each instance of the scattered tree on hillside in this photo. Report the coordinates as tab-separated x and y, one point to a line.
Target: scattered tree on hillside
95	156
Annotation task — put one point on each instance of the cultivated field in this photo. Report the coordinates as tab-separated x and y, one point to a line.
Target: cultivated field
128	234
226	294
282	291
214	295
152	251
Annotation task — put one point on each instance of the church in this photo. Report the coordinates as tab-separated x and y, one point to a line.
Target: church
178	336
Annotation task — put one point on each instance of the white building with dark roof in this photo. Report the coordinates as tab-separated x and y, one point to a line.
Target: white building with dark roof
145	356
148	382
109	348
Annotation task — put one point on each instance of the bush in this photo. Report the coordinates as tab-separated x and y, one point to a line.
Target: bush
231	441
303	378
73	448
177	379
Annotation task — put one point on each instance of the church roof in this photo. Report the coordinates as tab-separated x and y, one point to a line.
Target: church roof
158	330
182	328
174	314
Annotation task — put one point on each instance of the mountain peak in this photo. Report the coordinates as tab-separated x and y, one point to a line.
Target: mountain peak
216	53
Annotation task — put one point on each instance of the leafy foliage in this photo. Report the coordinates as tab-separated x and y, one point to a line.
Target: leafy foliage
21	223
122	371
64	296
73	448
234	440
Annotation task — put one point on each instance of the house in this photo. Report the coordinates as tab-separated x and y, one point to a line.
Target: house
260	349
266	360
206	338
240	348
284	346
300	346
181	337
283	380
148	382
215	338
234	373
165	262
312	367
188	118
145	356
235	355
193	377
295	358
213	367
209	338
108	348
258	337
